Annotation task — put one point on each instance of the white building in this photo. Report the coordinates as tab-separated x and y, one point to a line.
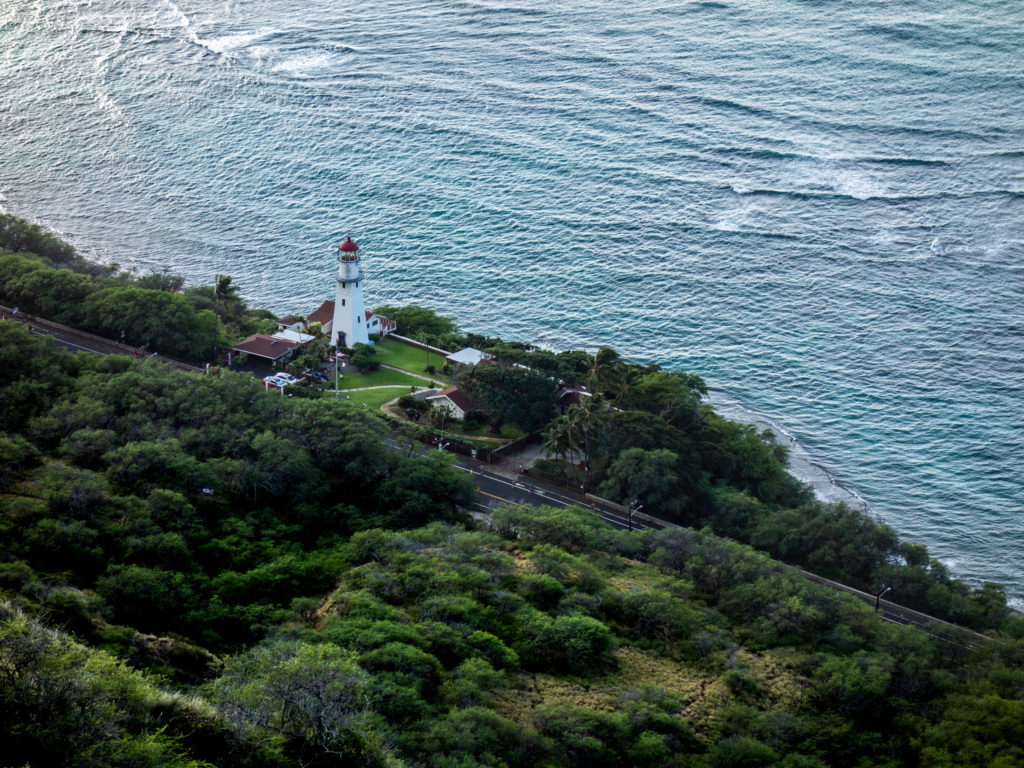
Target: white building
468	356
349	325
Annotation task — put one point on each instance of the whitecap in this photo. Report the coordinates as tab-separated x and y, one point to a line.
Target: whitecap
304	65
183	18
227	44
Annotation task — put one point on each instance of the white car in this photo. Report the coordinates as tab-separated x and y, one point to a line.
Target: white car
287	378
275	382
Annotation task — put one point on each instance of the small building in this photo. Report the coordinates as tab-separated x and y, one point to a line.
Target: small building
566	396
290	323
267	347
468	357
379	324
454	401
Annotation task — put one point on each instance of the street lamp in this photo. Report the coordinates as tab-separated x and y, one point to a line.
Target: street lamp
635	507
878	597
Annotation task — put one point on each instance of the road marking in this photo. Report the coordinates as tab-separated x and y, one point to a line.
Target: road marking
508	501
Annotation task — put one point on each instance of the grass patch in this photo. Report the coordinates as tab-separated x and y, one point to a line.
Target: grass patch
374	398
508	432
351	379
704	694
406	356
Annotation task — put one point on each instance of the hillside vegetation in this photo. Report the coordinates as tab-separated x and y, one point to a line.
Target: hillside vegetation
196	572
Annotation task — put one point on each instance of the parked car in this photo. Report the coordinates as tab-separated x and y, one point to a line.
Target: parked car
287	378
274	381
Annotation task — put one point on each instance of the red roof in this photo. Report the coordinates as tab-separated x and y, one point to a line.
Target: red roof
369	314
323	314
457	397
348	246
265	346
570	396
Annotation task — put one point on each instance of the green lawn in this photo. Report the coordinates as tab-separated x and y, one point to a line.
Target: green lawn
507	431
376	378
406	356
374	398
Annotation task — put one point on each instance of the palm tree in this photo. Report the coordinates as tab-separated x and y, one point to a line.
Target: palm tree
560	441
605	371
586	423
222	289
626	384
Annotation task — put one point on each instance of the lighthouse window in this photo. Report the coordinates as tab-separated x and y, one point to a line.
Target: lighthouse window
343	302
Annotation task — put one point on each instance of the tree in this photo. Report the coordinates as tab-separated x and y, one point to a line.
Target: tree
63	704
671	395
18	234
516	395
315	697
279	470
576	644
419	321
422	489
606	370
586	423
648	477
561	441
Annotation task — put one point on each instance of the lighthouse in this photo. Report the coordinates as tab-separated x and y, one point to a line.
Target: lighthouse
349	326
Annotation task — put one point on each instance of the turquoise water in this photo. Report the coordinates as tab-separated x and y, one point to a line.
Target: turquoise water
817	206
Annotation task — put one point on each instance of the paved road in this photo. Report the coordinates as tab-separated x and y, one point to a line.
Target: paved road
495	487
80	341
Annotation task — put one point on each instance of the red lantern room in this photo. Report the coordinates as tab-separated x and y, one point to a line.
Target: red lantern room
347	251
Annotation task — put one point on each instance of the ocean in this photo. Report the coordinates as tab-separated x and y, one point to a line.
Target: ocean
815	205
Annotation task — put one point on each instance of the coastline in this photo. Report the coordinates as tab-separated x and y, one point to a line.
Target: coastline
804	467
801	465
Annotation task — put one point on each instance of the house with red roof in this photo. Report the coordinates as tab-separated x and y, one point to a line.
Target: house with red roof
452	399
272	348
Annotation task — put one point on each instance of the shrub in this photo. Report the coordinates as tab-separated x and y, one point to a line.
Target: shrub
364	358
575	644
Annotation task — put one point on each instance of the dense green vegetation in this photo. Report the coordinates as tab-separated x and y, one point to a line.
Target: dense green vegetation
423	325
43	275
193	504
197	572
514	395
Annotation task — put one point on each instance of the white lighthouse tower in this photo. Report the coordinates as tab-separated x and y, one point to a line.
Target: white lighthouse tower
349	326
